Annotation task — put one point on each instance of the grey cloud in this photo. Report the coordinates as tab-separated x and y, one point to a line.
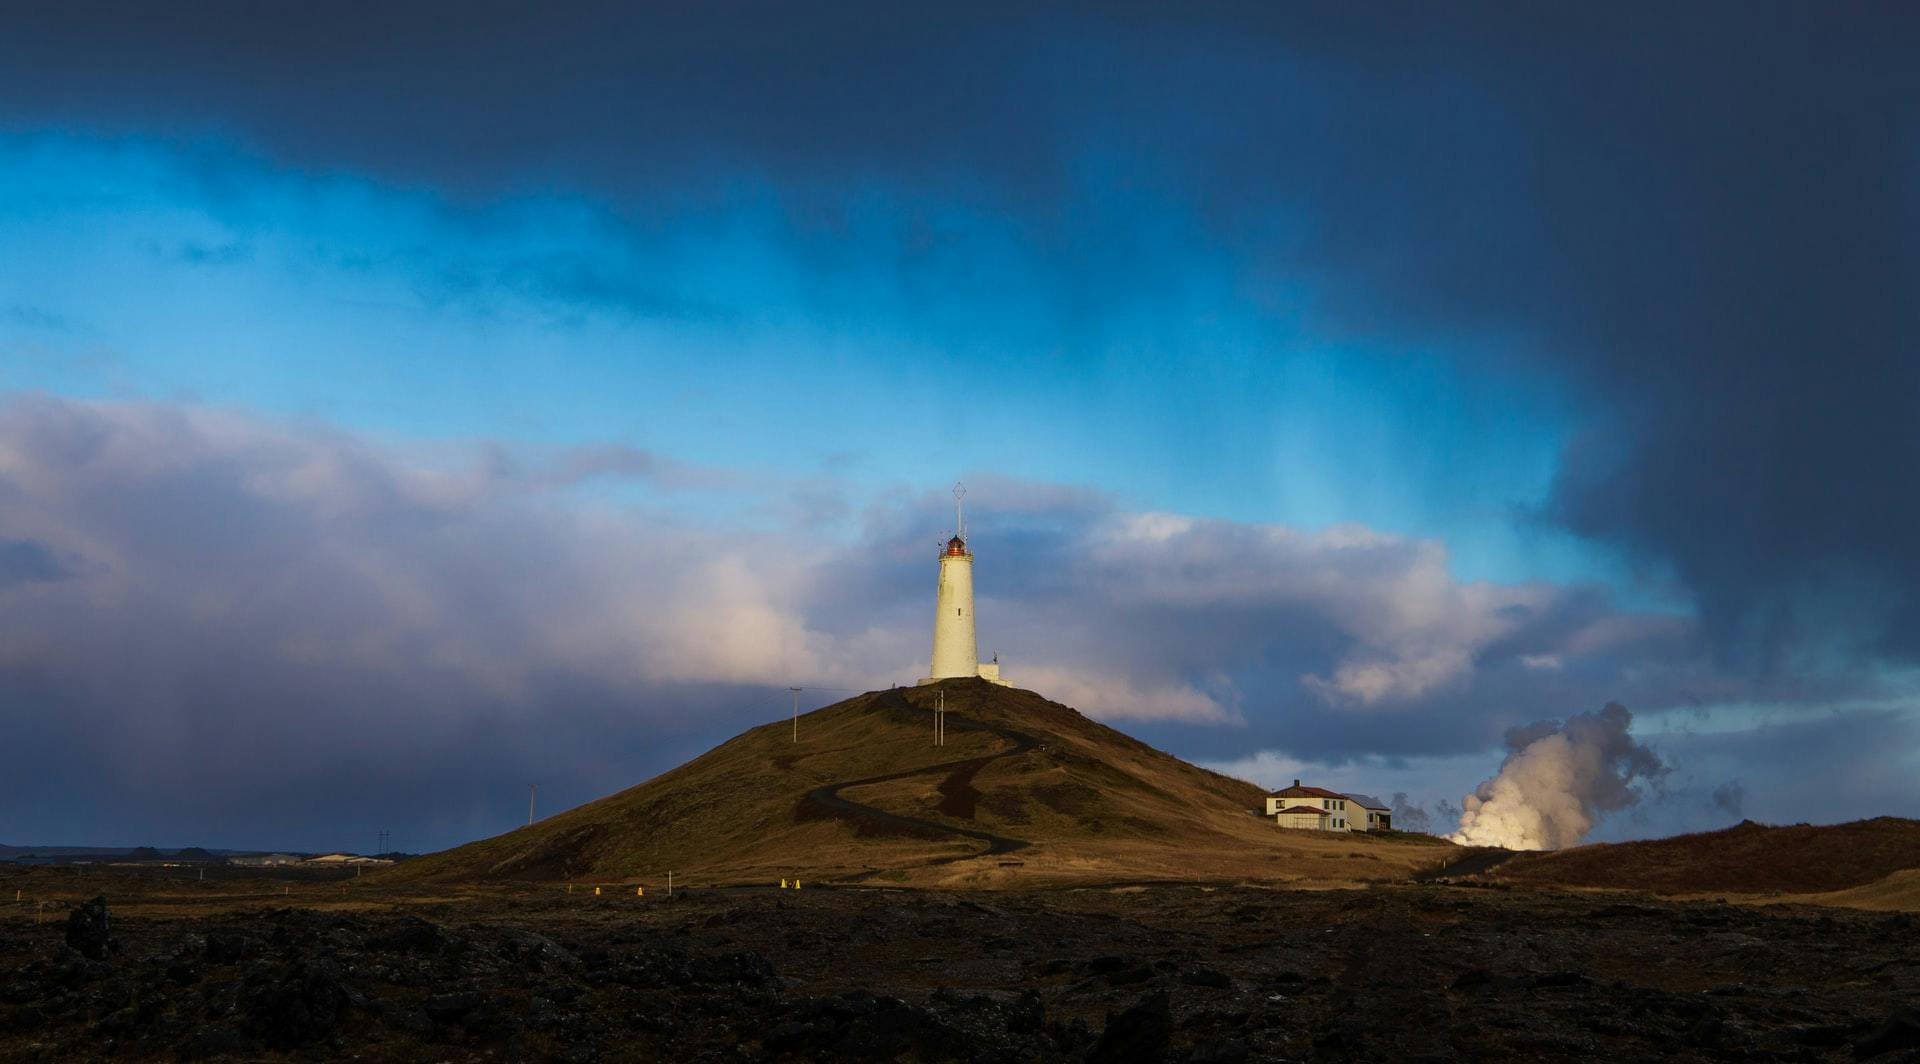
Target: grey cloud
289	606
1730	798
1785	766
333	630
570	466
1326	644
25	561
1409	816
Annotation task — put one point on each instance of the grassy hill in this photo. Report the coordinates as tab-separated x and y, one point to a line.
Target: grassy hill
1746	858
1025	792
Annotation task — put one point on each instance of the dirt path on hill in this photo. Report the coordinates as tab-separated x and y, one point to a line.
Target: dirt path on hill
960	776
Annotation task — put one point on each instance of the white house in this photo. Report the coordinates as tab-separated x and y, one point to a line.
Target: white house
1291	806
1370	813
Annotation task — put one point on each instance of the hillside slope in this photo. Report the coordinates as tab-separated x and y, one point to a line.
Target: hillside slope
1897	892
1025	791
1746	858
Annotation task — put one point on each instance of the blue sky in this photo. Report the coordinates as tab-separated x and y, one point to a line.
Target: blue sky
723	333
1388	381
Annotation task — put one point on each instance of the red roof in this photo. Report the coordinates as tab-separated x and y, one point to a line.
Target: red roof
1308	792
1302	809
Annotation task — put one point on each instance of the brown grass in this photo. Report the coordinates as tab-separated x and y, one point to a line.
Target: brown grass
1746	858
1897	892
1093	804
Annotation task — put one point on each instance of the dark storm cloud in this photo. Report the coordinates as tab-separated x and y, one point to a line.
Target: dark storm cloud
1845	764
1699	220
481	97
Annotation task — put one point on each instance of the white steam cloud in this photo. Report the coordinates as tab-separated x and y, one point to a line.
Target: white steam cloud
1557	780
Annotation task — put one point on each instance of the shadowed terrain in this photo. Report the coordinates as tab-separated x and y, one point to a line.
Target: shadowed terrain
1197	975
1025	792
1745	858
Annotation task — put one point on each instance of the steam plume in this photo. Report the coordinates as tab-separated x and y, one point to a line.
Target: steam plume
1557	780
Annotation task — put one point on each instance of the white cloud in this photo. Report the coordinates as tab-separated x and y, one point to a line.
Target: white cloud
1408	629
268	594
1116	697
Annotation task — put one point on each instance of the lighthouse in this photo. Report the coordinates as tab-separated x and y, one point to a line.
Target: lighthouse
955	651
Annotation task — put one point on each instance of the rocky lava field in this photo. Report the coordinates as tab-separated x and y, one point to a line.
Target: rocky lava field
1392	973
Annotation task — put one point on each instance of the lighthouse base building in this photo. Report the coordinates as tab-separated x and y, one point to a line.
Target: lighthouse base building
955	653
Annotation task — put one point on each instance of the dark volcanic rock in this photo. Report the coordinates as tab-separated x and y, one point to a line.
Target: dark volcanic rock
219	1041
859	1026
1900	1031
410	934
1207	977
538	953
87	930
744	969
295	1003
453	1008
227	947
873	975
1137	1036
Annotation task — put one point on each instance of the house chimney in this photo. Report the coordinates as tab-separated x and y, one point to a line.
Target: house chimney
1296	783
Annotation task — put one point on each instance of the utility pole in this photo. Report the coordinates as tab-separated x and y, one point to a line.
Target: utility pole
796	713
532	789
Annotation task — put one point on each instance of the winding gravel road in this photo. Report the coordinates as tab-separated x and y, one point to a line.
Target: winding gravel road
829	799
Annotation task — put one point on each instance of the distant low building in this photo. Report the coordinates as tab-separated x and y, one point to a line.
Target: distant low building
265	860
1370	813
1291	805
1304	817
346	859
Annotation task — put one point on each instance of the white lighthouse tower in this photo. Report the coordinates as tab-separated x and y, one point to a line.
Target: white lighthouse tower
955	652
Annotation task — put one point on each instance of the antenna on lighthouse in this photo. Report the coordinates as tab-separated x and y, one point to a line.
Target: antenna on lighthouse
959	514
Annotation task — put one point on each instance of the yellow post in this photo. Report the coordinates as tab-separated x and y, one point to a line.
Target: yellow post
639	892
783	884
596	892
796	884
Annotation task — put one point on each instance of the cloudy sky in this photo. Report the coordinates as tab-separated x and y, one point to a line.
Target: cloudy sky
400	404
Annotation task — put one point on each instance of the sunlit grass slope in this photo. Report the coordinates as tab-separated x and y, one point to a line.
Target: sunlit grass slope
1090	803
